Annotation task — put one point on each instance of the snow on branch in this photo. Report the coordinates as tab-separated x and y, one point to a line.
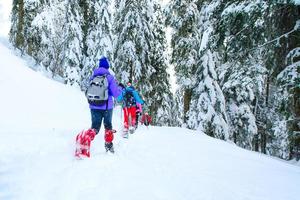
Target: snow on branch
296	28
297	25
295	53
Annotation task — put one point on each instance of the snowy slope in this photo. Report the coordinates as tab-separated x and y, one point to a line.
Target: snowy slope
39	119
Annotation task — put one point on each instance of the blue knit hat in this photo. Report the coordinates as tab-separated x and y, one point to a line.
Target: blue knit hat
103	62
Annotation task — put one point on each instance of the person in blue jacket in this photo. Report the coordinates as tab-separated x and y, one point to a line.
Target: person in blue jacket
129	98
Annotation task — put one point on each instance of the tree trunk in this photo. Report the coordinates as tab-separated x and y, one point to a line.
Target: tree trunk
20	25
186	102
263	137
85	24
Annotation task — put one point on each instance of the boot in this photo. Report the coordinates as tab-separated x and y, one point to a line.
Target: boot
109	146
132	129
125	133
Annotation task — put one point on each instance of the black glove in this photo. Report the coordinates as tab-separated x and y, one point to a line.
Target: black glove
121	85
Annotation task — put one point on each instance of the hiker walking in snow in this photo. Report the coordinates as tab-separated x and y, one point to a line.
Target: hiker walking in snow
138	113
129	98
146	119
103	88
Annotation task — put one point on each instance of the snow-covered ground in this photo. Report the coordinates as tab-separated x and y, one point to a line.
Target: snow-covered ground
5	8
39	119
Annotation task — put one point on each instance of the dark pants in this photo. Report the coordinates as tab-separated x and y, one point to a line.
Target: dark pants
137	119
98	115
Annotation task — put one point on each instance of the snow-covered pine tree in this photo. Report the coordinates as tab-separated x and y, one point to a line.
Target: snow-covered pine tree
207	111
16	36
132	47
183	18
240	89
72	43
264	110
49	27
99	36
17	20
275	128
177	117
288	79
31	10
65	37
243	72
278	143
289	82
23	13
133	37
161	104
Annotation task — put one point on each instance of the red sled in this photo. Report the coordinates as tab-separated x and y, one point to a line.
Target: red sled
83	143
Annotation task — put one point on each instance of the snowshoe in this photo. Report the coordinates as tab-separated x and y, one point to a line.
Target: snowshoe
109	147
83	143
125	133
131	130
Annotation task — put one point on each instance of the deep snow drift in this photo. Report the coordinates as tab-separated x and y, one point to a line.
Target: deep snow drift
39	119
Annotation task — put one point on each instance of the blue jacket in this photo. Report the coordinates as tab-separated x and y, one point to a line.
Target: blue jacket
135	94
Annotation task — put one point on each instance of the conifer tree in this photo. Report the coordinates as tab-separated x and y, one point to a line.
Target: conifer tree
161	96
65	37
23	13
288	77
275	124
177	115
289	81
133	37
17	24
241	88
133	49
183	17
207	112
72	58
242	72
99	36
49	28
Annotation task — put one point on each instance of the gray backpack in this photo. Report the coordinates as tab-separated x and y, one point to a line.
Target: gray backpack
97	92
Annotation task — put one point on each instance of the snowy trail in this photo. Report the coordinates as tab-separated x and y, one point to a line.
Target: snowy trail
161	163
149	169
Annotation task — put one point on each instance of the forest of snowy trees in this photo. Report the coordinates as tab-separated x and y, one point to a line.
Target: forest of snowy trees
236	63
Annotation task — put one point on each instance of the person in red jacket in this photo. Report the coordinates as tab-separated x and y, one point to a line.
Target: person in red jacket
146	119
